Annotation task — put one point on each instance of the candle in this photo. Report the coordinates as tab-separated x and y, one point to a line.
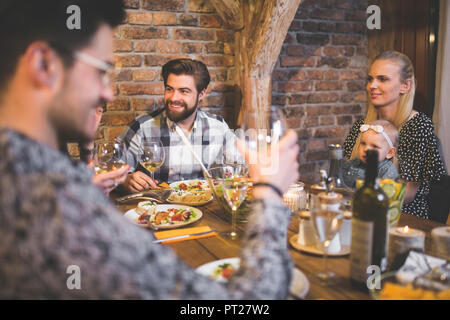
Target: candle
441	242
403	239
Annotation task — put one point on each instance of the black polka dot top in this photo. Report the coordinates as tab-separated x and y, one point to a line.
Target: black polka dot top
418	159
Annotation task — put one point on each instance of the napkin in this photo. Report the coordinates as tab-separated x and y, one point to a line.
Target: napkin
425	270
180	232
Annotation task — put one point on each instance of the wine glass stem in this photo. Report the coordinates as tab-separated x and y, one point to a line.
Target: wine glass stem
325	259
152	175
233	221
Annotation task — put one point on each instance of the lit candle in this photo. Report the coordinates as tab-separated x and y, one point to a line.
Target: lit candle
403	239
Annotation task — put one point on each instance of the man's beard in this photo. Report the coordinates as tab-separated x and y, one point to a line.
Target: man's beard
180	116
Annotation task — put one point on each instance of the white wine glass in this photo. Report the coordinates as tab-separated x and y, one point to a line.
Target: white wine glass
110	155
327	220
152	156
261	129
234	192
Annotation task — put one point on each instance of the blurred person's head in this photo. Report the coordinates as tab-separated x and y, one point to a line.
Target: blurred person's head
51	72
380	135
185	85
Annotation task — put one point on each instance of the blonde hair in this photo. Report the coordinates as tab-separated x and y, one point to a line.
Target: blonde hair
405	103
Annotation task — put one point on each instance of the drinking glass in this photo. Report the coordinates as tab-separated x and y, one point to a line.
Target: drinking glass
110	155
152	156
234	192
327	220
262	129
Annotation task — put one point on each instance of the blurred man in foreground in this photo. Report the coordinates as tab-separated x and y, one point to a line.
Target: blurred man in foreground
54	220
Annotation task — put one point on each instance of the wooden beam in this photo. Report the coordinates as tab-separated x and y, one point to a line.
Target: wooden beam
230	12
258	46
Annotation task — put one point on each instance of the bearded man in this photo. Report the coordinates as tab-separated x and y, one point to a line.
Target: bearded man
185	85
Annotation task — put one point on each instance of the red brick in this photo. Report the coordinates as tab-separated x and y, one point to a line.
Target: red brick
117	119
298	99
317	110
210	21
203	6
144	104
351	74
323	14
295	86
324	97
340	40
163	5
166	46
297	62
127	61
317	156
295	50
344	120
316	145
224	35
326	120
120	75
315	74
164	19
328	85
214	47
122	45
329	132
334	62
331	51
194	34
188	20
191	47
156	60
313	39
131	4
141	89
139	17
218	60
311	121
330	75
297	75
144	75
144	33
145	46
119	104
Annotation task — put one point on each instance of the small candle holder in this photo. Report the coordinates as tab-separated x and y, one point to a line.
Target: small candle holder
403	239
441	242
295	197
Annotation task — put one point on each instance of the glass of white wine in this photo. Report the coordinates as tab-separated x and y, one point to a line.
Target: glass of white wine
327	220
234	192
110	155
152	156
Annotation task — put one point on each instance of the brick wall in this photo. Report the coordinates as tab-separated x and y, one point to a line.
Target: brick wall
319	78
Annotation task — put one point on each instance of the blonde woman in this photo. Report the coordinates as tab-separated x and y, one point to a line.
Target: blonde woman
391	87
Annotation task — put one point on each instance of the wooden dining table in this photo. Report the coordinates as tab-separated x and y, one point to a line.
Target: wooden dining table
197	252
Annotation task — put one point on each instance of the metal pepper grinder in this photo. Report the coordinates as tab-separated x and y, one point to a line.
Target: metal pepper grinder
336	159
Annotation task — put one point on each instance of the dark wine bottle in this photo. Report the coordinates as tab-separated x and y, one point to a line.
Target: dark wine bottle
370	227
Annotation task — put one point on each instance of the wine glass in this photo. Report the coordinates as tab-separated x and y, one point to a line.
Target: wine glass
110	155
327	220
152	156
234	191
263	128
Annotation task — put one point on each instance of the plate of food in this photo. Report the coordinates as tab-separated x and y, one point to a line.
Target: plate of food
194	192
222	270
163	216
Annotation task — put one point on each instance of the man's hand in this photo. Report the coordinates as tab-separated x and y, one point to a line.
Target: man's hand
139	181
107	181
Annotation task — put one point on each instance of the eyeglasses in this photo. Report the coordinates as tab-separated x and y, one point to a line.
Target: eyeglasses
106	67
377	129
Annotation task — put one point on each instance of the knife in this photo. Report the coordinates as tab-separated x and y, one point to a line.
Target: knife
185	236
152	195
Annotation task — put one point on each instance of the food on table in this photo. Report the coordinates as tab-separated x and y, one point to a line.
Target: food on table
172	216
393	291
194	191
225	270
145	209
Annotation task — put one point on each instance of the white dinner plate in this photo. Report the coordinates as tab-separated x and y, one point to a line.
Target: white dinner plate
173	185
299	286
133	216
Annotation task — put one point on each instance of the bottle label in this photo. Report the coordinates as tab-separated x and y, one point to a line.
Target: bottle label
361	249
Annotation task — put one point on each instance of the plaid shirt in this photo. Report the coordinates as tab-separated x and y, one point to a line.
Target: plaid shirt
211	139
